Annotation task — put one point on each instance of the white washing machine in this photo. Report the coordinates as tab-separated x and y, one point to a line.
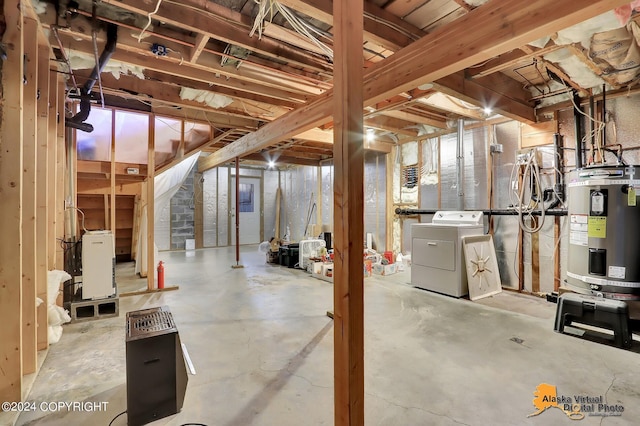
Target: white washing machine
437	256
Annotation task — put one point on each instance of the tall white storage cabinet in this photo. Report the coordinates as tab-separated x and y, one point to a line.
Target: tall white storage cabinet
437	262
98	265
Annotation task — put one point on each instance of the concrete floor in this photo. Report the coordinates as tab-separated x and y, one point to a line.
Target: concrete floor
262	347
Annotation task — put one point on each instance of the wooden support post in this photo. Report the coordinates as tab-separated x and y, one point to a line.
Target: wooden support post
198	205
11	176
237	212
112	195
29	188
42	226
51	170
60	174
107	220
535	258
348	155
151	167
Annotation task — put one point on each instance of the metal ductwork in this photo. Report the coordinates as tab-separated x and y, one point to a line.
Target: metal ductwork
77	121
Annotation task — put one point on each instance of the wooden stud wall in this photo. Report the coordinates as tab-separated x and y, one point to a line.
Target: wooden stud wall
11	137
29	157
150	205
42	226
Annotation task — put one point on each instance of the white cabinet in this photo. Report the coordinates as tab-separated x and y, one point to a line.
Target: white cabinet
98	265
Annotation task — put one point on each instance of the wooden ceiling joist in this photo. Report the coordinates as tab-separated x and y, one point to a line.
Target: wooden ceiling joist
480	35
218	22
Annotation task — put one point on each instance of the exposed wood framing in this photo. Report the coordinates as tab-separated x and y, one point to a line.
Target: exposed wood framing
29	190
11	175
112	175
60	174
151	206
535	257
52	170
348	194
478	36
556	253
201	42
42	225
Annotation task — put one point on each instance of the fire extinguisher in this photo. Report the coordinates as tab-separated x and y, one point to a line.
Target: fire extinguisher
161	275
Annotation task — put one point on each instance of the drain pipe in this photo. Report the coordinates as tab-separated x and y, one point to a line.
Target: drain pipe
577	116
77	121
460	163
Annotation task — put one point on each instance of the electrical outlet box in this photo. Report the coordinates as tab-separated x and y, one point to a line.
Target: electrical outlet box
525	154
496	148
133	170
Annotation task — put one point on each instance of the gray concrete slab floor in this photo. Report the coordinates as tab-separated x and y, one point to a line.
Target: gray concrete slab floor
262	347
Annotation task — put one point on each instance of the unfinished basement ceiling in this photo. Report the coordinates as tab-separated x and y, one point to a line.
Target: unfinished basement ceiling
241	64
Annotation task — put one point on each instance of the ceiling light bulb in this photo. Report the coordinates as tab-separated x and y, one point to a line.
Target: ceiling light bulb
487	110
272	164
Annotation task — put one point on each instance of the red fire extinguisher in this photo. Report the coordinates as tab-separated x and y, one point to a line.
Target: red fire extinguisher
161	275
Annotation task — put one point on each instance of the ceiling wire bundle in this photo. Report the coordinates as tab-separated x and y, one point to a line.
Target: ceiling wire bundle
267	10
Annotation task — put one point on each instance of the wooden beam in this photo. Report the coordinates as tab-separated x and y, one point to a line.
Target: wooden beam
535	257
415	118
104	167
112	174
219	24
29	209
52	170
60	173
199	45
151	205
245	81
11	175
381	27
502	94
508	60
348	195
42	223
481	34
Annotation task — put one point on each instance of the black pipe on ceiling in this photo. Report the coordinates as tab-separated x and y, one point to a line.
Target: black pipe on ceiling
577	115
77	121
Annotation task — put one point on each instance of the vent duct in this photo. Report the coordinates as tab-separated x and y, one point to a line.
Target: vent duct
77	121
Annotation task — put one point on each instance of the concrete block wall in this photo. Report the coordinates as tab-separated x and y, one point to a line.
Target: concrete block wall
182	214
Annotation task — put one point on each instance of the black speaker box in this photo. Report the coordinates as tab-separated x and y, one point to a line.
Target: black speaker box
156	370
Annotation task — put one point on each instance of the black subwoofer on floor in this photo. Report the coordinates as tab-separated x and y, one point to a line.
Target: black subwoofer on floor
156	370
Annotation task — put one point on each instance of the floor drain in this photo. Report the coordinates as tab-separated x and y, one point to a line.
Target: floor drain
517	340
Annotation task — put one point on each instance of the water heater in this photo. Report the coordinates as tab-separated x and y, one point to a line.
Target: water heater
604	232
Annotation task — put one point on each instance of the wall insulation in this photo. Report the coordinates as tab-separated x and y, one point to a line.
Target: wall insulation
375	167
223	206
326	173
505	228
271	179
429	182
299	189
210	208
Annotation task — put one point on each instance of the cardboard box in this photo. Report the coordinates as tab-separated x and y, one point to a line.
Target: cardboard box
381	269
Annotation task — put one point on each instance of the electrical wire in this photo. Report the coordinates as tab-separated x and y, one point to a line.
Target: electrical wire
82	213
531	174
114	419
149	22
